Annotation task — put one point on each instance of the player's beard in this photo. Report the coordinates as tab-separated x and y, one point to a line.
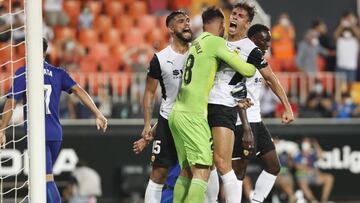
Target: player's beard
181	37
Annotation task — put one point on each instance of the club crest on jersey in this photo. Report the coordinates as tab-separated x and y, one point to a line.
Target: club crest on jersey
246	152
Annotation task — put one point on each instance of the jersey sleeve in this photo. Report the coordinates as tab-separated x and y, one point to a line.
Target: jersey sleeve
18	90
67	82
232	58
154	70
256	58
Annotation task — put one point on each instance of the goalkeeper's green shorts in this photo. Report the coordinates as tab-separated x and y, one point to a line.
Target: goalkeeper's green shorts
192	137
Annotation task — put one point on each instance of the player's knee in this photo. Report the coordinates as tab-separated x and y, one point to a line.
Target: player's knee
222	165
273	169
158	175
200	172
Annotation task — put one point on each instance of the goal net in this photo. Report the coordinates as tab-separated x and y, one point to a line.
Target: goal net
15	164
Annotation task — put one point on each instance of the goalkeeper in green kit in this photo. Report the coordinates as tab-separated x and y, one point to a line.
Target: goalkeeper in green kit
188	119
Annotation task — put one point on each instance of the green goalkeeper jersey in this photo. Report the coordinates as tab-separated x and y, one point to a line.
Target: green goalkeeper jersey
199	72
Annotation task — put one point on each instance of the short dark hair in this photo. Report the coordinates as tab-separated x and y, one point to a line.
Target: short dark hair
211	13
248	8
257	28
172	15
316	23
45	45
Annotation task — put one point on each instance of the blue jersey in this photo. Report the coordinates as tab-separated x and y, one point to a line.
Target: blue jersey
55	81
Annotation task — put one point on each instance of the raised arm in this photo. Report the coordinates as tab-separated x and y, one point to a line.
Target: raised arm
277	88
101	121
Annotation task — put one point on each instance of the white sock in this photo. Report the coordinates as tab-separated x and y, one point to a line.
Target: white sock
232	187
263	186
213	188
153	192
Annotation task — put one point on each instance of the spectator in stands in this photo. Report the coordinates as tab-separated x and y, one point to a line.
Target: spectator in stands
307	172
18	20
138	58
283	45
86	18
54	13
308	52
4	24
105	103
48	33
326	42
286	151
69	51
319	102
85	186
345	108
347	36
196	21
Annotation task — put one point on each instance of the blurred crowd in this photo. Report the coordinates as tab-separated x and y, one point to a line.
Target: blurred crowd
106	46
299	171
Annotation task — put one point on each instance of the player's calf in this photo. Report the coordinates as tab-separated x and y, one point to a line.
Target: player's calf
159	174
271	162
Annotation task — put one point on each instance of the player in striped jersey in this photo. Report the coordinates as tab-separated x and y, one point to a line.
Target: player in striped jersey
221	115
165	69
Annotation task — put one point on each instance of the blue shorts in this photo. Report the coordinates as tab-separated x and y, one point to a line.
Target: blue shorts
52	152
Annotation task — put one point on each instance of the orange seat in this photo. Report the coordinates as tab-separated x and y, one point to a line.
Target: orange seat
109	64
99	51
124	22
118	51
95	7
111	37
134	36
88	64
62	33
157	39
103	23
162	23
21	49
146	23
137	9
114	8
5	54
79	78
73	9
87	37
